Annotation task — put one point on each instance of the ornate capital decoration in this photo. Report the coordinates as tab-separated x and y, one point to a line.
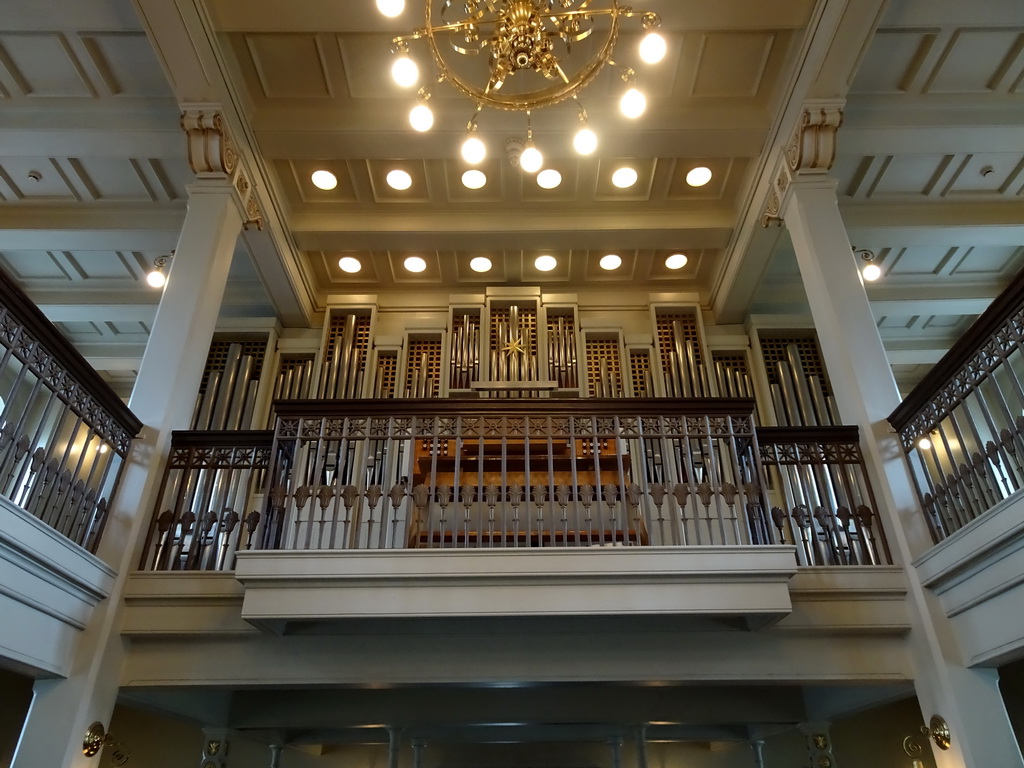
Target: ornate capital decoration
253	213
210	151
813	146
771	217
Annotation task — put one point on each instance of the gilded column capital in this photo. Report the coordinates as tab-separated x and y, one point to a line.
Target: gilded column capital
210	151
812	149
771	215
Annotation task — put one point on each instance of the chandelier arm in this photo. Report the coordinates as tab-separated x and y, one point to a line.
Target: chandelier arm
537	99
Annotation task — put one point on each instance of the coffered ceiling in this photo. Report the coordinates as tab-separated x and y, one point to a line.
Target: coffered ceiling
93	176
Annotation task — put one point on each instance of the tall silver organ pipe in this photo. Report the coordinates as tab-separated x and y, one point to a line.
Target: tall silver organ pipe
229	399
342	374
798	399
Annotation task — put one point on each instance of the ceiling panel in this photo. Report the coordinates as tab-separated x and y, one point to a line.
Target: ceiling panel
42	64
290	66
34	265
732	64
974	61
126	64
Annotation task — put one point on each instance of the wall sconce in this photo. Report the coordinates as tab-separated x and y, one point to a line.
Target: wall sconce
870	270
156	277
937	730
96	738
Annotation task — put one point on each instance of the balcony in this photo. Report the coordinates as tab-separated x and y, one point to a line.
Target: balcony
64	437
444	505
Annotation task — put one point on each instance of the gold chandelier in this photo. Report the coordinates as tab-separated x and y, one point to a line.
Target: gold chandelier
520	55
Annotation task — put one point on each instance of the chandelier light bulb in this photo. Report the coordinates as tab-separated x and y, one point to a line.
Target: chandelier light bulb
545	263
652	48
633	103
531	160
349	264
585	141
549	178
871	272
404	72
624	177
324	180
480	264
676	261
421	118
473	150
699	176
474	179
156	278
611	261
391	8
399	179
415	264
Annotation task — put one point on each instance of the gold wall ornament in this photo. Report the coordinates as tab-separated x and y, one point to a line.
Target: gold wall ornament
253	213
95	738
813	146
210	151
770	215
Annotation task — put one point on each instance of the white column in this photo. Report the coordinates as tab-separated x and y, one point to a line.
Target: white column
866	393
163	399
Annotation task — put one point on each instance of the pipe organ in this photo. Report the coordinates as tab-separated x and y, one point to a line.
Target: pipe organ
507	345
227	393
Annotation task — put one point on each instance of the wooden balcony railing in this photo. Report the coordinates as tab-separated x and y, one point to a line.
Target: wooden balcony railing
962	427
409	474
64	434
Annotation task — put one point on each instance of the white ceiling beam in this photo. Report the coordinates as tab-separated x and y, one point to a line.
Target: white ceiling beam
90	228
953	222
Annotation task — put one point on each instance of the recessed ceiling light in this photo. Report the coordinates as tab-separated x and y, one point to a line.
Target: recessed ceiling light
399	179
699	176
676	261
324	180
391	8
624	177
480	264
549	178
545	263
611	261
415	264
349	264
474	179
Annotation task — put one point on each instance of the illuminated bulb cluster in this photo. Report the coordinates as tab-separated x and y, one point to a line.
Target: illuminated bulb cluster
632	104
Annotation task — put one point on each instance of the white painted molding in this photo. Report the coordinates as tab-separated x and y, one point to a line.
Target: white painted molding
48	589
745	582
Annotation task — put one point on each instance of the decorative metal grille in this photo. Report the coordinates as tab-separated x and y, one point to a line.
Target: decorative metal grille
527	324
773	350
387	374
423	368
640	373
666	341
218	355
604	367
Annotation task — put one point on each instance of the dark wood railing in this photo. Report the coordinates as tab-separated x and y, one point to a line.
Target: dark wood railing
409	474
64	433
962	427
